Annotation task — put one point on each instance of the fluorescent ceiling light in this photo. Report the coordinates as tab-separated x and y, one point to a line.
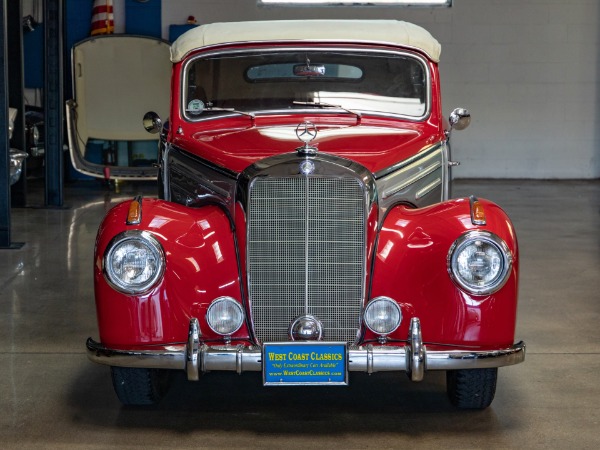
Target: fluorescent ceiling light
358	2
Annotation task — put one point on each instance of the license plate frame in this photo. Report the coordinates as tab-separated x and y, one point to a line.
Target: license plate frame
305	364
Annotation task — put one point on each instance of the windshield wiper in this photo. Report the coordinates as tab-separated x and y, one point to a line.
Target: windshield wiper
330	105
231	110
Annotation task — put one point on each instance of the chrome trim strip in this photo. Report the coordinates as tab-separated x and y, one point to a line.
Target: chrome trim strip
446	172
202	169
193	181
402	164
213	188
166	180
413	358
278	49
418	180
413	179
306	241
427	189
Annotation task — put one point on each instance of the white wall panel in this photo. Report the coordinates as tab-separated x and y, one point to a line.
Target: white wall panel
527	69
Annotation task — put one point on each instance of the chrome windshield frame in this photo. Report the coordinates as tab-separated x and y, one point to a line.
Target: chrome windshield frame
279	47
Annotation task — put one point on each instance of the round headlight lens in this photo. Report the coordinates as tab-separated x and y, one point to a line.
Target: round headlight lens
479	262
382	315
225	316
134	262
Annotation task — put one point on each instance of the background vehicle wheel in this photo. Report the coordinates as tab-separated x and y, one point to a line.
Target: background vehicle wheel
139	386
471	389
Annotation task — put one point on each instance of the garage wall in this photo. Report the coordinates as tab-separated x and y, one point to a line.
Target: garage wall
527	70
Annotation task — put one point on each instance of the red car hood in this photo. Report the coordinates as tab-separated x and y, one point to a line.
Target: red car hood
375	147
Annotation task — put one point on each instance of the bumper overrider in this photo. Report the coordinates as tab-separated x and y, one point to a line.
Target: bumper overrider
196	358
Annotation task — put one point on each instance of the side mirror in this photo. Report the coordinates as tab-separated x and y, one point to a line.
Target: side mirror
152	122
460	119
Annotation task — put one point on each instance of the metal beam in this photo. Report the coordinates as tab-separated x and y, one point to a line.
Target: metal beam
14	19
53	101
4	143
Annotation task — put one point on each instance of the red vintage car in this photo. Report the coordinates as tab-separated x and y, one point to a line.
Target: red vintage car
303	226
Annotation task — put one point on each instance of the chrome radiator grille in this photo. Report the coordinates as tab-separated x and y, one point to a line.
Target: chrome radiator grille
306	254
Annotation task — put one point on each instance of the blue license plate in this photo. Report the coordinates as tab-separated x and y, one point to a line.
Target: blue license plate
300	363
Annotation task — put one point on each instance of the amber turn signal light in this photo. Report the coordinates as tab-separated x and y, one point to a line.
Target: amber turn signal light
477	212
134	216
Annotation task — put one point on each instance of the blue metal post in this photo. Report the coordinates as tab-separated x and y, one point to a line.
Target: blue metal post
53	102
4	143
14	19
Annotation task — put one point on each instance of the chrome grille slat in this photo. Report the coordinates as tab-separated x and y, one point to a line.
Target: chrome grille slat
277	254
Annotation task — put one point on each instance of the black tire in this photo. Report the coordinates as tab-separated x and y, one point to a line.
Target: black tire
139	386
473	388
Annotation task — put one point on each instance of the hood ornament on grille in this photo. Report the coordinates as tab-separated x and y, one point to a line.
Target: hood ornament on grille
307	132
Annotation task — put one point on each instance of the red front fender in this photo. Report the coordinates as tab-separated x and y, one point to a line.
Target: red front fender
411	268
201	265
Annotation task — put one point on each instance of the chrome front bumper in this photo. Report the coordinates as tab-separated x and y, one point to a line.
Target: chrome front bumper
196	358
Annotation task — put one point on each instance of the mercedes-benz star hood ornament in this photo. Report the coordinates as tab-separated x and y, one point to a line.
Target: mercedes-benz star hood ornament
307	132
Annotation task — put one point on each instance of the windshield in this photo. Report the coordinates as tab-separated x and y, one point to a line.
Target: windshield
379	83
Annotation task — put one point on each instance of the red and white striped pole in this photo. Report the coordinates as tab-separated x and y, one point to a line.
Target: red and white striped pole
102	17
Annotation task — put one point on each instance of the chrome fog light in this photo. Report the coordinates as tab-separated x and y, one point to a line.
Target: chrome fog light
225	316
479	262
382	315
134	262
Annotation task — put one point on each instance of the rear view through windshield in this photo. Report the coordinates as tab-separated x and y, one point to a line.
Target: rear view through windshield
381	83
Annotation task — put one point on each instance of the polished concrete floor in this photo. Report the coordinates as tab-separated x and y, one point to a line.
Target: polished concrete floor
51	396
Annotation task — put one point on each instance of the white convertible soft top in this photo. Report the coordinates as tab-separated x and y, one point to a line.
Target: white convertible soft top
372	31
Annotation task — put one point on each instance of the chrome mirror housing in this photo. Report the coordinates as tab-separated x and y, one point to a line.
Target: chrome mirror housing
460	119
152	122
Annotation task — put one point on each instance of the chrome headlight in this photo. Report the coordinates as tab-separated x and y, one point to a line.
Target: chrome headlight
134	262
225	316
479	262
382	315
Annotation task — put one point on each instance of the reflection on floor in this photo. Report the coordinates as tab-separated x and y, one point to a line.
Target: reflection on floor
51	396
